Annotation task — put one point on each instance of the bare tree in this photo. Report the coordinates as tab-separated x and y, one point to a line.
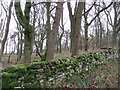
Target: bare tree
75	20
28	32
116	7
66	40
87	24
114	23
6	30
52	39
61	35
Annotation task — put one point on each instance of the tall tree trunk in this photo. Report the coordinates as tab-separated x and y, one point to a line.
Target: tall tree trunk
107	36
6	31
20	47
86	29
52	40
58	44
98	37
86	38
28	32
18	44
41	45
75	21
114	35
60	39
101	32
72	21
48	29
66	42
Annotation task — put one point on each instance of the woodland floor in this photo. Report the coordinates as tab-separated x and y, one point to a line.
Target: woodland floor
105	76
13	57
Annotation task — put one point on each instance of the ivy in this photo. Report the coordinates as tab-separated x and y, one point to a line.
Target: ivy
44	73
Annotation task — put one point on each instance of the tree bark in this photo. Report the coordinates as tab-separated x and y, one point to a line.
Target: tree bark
66	41
114	35
20	47
52	40
6	31
101	32
75	21
60	38
28	32
86	38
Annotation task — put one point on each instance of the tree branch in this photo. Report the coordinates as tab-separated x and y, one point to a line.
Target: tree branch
100	12
27	10
19	14
70	10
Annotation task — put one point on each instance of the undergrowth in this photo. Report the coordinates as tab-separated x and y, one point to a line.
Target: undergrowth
77	72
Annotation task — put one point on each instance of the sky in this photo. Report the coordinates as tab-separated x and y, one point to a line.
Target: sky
13	23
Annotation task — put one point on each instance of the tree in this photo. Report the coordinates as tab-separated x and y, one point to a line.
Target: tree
52	38
61	35
20	38
66	47
116	22
6	30
28	29
75	20
87	24
100	27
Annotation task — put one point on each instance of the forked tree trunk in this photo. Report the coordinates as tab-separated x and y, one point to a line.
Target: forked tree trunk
28	32
75	20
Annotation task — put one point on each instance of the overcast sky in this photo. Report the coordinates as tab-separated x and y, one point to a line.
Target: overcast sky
65	12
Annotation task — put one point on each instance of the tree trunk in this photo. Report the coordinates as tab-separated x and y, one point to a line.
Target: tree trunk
6	31
114	37
66	42
20	47
101	32
41	46
60	39
86	38
18	44
52	40
75	27
48	29
28	32
27	46
108	36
